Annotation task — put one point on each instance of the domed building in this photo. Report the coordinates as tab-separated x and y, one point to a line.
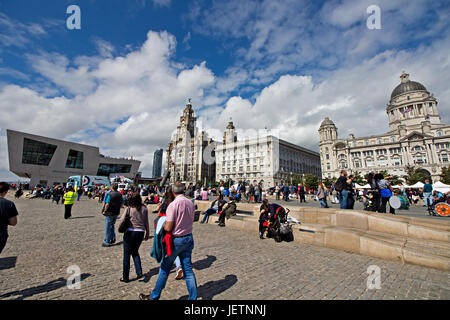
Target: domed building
416	138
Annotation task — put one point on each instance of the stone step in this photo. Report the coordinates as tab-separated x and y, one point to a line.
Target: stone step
429	253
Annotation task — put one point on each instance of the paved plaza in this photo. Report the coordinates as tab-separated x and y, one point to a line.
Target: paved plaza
228	264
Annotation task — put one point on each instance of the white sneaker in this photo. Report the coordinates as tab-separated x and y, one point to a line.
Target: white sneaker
179	274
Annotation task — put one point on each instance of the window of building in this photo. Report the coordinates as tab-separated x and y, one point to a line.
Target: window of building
366	142
74	159
36	152
105	169
392	139
379	141
439	133
444	157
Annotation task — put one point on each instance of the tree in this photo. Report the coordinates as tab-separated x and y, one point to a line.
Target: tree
358	178
311	181
445	175
328	182
296	179
414	175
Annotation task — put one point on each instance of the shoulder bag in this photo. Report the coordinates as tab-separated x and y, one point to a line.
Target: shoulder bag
126	222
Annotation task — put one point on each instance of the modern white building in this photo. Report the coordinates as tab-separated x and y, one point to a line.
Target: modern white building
47	162
416	138
190	153
265	159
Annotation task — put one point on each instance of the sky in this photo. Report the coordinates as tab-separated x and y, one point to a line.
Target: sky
122	80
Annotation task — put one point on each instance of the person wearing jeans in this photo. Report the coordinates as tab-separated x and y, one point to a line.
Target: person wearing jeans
216	206
179	222
138	230
183	247
343	199
113	204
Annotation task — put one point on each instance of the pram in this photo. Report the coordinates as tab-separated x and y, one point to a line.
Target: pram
278	226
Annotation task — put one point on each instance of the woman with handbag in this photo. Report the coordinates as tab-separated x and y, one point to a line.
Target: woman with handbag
134	224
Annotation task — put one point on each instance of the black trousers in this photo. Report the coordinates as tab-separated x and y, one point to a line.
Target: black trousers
3	239
384	202
376	201
302	197
222	217
67	211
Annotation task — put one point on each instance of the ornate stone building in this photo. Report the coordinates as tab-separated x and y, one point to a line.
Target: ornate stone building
190	154
265	159
416	138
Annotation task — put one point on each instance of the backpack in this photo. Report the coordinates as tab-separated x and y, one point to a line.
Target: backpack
339	185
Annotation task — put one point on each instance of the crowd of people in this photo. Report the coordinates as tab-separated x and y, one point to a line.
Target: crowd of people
172	240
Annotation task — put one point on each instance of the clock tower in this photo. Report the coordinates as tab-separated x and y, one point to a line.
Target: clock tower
186	151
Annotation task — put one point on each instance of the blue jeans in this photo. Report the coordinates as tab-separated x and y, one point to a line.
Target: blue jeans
343	199
323	203
427	199
110	222
131	242
78	197
207	213
182	248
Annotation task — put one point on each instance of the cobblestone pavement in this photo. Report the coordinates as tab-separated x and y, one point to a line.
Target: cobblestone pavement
228	264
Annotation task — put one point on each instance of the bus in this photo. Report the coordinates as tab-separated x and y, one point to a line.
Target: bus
88	181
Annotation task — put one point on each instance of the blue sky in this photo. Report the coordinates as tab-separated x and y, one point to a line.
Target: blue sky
126	75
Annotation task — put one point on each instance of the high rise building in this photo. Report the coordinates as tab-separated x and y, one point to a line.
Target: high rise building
157	163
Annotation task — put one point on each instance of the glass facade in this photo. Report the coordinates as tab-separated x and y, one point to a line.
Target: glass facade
37	153
74	159
105	169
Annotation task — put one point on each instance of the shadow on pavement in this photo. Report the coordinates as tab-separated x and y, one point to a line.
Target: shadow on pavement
208	290
49	286
7	263
204	263
150	274
82	217
197	265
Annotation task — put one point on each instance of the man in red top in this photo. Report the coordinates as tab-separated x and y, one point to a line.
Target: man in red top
179	221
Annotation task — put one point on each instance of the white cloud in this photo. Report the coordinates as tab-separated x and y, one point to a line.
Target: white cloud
126	105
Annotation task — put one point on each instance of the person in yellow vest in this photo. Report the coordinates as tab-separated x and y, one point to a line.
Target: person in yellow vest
69	200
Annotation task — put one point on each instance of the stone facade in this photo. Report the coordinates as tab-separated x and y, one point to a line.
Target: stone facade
266	159
416	138
190	153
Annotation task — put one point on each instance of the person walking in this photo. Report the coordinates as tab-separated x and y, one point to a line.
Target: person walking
341	187
79	193
375	190
322	195
8	215
162	213
179	222
69	199
301	193
111	210
137	232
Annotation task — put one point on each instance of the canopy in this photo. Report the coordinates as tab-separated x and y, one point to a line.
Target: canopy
417	185
441	187
357	186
